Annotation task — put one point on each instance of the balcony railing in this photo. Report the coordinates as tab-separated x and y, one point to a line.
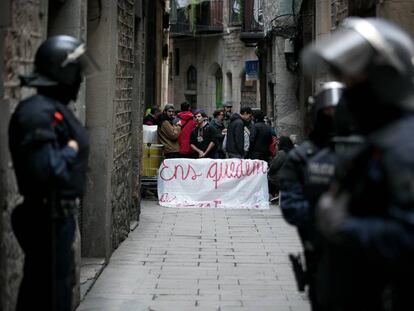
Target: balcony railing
252	29
197	17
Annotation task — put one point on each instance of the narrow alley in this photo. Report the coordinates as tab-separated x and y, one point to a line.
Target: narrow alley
201	259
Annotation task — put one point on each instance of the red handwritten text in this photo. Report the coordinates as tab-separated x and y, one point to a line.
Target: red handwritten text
222	170
178	171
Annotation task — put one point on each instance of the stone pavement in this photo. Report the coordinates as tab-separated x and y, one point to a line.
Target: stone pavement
201	259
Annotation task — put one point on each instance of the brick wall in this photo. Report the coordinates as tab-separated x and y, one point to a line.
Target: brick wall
121	174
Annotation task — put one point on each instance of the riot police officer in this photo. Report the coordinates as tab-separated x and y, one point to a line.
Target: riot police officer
368	214
49	149
295	200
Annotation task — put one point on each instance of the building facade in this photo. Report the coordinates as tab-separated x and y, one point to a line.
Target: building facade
208	57
289	25
118	35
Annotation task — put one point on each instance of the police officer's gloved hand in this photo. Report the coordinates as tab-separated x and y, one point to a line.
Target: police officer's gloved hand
331	213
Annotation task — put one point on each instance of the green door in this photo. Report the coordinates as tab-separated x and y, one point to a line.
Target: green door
219	89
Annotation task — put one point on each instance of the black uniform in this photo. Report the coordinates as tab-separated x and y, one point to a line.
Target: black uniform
306	174
50	176
373	248
296	210
368	215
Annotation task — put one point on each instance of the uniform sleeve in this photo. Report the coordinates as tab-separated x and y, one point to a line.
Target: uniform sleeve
44	159
388	238
290	172
295	206
293	203
390	235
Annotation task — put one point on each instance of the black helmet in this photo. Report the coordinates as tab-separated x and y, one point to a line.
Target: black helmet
329	95
59	60
374	48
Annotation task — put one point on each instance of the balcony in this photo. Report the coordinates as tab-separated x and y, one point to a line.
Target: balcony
252	28
190	18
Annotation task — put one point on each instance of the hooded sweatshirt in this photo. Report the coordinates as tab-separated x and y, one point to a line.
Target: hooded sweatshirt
187	124
235	135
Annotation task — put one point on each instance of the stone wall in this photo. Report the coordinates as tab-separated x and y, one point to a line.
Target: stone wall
19	38
400	12
288	119
123	101
283	85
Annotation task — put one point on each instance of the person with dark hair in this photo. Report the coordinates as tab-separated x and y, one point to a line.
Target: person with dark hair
49	148
367	216
273	176
203	138
151	117
217	123
168	132
187	122
185	106
239	134
259	148
227	106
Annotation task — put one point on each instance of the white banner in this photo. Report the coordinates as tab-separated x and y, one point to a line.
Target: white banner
208	183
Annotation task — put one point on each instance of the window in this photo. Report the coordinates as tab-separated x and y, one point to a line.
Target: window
235	11
219	88
192	79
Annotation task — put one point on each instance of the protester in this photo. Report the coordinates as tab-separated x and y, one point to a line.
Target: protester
168	133
273	144
217	123
273	175
227	106
259	148
367	217
187	123
203	138
49	149
151	116
239	134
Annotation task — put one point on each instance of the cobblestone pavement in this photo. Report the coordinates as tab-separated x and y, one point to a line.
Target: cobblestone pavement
201	259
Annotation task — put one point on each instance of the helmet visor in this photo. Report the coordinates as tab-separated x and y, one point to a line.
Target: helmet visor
330	95
80	55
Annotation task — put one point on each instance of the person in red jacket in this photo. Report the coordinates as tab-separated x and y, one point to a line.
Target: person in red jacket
187	123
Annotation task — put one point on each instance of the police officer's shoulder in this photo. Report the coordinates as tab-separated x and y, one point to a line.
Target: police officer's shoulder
36	111
302	152
396	134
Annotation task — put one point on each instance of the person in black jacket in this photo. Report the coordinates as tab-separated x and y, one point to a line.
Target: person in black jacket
239	134
203	138
218	124
49	149
284	146
259	148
